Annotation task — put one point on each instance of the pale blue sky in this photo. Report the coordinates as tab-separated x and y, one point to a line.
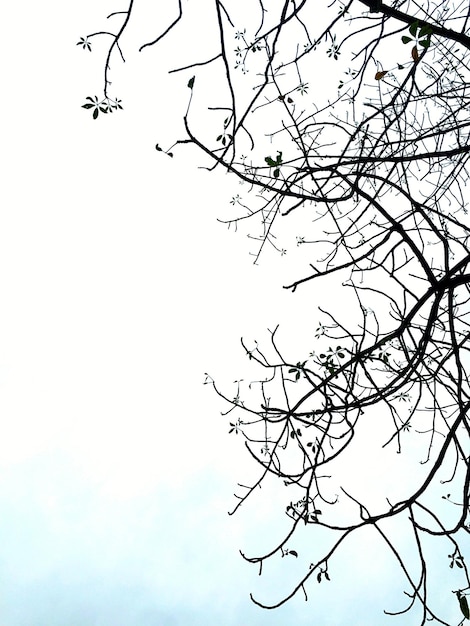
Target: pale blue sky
118	290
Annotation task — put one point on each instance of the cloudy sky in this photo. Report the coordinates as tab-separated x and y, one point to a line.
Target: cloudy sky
118	291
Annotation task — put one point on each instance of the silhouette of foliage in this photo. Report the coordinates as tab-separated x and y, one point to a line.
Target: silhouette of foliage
371	155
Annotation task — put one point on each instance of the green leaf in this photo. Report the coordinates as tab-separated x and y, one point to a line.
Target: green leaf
425	42
276	173
95	114
425	30
191	82
464	606
87	106
414	28
270	161
406	39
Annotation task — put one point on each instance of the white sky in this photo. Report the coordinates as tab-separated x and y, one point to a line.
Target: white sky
118	290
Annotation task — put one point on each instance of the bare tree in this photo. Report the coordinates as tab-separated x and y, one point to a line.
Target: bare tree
371	156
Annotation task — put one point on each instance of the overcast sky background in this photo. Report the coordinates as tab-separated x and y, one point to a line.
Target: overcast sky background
118	291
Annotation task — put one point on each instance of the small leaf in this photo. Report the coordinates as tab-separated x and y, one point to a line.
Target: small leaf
415	54
425	30
170	154
276	173
293	552
464	606
406	39
191	82
289	100
380	75
88	105
414	28
157	147
459	564
270	161
425	43
400	67
95	114
319	577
